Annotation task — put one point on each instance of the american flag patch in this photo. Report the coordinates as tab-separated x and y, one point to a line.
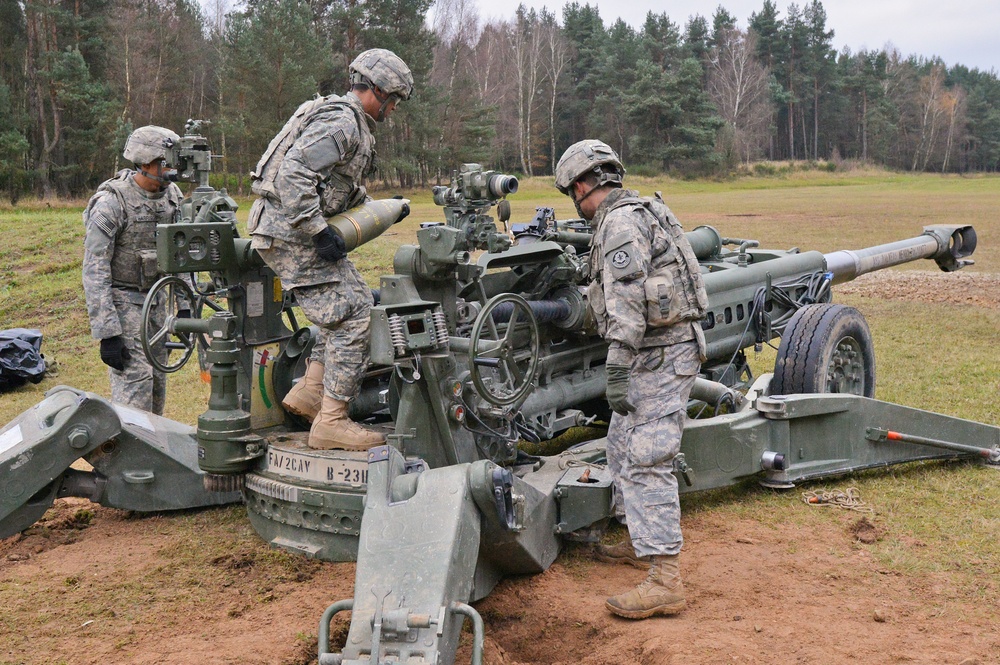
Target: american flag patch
340	138
103	223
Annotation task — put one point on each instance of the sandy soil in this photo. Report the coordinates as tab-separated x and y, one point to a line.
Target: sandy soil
96	585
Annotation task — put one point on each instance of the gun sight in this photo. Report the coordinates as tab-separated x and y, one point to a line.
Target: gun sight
471	184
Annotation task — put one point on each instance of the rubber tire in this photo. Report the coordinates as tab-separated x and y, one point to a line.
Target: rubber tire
809	343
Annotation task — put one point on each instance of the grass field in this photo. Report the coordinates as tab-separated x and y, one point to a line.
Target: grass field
941	349
940	354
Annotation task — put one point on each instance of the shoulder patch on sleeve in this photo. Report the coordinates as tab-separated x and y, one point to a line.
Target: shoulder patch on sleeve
322	153
103	213
100	221
340	138
328	141
622	258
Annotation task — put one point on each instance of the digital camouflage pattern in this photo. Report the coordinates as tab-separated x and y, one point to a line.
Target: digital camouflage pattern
675	290
642	446
150	143
119	265
584	156
629	244
318	176
139	385
341	307
384	69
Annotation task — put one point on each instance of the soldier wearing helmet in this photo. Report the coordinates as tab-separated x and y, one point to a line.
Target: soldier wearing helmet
647	297
382	73
119	262
313	169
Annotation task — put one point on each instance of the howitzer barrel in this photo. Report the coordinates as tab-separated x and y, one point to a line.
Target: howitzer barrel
367	222
948	245
705	240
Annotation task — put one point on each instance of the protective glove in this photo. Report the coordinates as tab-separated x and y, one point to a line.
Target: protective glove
617	390
330	246
114	353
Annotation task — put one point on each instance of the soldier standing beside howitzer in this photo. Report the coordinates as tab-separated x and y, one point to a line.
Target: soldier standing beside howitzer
314	167
647	296
119	264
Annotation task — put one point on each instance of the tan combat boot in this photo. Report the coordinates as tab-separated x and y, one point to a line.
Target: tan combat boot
622	553
306	396
334	430
662	593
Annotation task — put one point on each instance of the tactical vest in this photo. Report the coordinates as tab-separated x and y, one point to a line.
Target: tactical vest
266	171
674	289
133	265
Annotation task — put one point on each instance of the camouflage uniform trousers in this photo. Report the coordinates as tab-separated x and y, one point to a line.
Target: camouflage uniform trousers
341	307
139	385
642	446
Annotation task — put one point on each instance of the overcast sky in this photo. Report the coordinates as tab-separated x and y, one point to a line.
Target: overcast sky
960	32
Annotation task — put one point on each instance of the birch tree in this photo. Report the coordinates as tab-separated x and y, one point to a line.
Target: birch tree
556	59
740	88
526	44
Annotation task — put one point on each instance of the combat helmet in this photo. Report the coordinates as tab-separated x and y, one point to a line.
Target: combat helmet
150	143
587	156
381	68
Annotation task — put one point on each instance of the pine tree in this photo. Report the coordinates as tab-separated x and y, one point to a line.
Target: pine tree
275	60
819	63
14	145
772	53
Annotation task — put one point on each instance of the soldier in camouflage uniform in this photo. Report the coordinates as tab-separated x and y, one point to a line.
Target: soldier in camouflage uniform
119	264
311	170
647	297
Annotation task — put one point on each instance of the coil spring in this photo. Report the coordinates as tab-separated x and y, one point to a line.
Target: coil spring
397	334
214	252
440	327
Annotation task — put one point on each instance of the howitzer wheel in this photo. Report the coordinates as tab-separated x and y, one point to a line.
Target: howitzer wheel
825	349
173	288
503	357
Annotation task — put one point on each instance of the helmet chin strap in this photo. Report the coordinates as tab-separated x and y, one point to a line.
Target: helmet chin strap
577	202
163	180
385	99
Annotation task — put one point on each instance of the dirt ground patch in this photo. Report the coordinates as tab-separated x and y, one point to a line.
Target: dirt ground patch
119	591
957	288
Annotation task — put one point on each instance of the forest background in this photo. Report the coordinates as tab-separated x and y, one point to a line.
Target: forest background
705	97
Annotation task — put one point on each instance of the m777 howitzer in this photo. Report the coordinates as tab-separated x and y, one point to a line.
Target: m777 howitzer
468	358
451	503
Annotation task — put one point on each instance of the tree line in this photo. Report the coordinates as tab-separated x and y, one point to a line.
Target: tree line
76	76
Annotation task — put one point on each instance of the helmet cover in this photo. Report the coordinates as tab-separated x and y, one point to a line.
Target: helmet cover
150	143
383	69
583	157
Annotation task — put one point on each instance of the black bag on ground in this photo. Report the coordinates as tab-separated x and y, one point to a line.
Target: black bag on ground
21	358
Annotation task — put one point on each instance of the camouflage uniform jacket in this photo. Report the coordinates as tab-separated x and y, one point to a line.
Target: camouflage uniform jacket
119	247
319	175
630	245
